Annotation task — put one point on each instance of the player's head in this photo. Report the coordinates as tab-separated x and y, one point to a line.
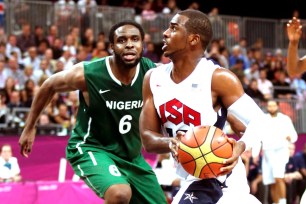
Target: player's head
272	106
187	28
126	40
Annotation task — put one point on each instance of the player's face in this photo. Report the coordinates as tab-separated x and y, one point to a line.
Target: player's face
176	36
272	107
128	46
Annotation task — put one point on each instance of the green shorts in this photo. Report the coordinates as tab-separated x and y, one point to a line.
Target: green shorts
100	170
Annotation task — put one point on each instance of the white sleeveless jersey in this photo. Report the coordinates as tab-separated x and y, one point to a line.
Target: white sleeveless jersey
187	104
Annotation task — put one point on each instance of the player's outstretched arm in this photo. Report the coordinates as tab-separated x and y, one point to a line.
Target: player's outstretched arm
149	123
295	64
64	81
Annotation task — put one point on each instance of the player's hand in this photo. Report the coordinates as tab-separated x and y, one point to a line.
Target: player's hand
175	143
26	141
294	29
231	162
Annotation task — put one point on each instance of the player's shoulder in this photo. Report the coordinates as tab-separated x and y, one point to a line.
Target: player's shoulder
225	76
94	62
147	63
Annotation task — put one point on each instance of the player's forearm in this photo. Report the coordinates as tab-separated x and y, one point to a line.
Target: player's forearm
293	59
155	143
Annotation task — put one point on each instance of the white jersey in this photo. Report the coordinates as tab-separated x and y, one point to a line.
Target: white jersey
187	104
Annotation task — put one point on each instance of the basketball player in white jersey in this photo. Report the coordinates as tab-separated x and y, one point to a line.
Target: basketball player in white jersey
192	91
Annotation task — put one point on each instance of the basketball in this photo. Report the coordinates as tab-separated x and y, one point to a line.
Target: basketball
202	151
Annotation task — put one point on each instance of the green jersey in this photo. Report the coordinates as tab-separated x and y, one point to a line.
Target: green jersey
110	121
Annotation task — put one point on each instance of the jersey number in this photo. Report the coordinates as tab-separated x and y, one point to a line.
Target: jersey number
125	124
114	170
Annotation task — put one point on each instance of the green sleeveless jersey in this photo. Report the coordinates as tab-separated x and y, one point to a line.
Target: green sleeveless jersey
110	122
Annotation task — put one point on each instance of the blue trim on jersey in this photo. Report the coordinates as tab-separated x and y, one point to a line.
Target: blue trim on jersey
221	119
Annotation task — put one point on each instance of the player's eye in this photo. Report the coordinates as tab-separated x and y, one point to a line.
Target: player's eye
121	40
173	28
136	39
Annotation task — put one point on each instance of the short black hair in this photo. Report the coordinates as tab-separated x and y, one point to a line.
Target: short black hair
198	23
122	23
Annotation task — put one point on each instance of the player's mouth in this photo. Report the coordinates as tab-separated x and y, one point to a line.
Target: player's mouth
129	56
165	45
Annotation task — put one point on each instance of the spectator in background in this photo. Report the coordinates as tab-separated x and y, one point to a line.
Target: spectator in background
69	45
292	176
3	37
194	5
67	59
147	12
300	160
215	54
43	70
75	33
3	52
254	175
32	58
59	66
299	85
236	54
11	46
150	52
57	48
253	91
27	94
252	72
26	39
3	74
282	88
15	100
29	74
86	8
216	22
275	149
3	107
237	69
171	8
44	120
16	72
48	56
42	47
53	34
9	167
9	87
88	38
39	34
264	85
72	102
63	117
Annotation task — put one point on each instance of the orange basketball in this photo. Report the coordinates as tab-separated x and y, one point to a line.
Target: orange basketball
202	150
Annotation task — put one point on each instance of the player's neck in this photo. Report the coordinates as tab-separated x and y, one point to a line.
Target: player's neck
183	68
123	74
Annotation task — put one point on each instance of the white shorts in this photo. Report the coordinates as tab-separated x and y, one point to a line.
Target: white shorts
274	164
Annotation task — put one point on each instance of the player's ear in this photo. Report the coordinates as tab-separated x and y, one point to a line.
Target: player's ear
194	39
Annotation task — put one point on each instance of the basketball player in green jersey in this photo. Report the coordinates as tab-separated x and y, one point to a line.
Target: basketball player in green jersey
105	147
